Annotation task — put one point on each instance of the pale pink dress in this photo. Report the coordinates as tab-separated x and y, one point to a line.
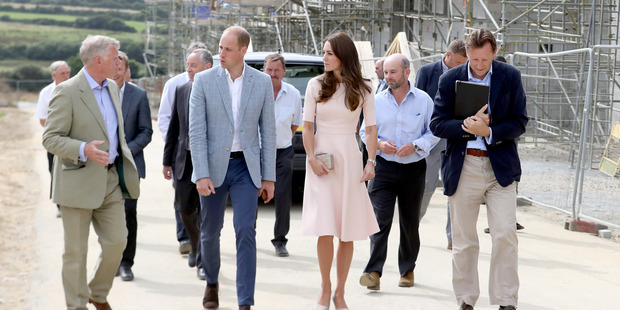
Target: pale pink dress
337	204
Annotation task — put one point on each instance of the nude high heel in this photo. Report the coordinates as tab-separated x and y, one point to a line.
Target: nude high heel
321	307
338	308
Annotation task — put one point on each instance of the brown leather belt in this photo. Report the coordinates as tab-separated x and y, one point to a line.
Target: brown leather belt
234	155
477	152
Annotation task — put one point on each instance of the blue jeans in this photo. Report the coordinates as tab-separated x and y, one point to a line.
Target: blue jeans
244	197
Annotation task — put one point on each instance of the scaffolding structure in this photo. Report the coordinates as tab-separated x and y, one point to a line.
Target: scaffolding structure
556	86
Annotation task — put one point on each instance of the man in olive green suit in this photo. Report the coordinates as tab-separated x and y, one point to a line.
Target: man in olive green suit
93	171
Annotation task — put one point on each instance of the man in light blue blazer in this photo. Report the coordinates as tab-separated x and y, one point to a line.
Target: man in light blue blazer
232	137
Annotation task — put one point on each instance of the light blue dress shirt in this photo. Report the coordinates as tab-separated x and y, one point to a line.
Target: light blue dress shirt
104	101
478	143
404	123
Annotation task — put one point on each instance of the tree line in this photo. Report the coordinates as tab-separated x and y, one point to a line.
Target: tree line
52	51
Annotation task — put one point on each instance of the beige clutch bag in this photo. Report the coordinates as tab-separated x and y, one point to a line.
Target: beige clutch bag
327	159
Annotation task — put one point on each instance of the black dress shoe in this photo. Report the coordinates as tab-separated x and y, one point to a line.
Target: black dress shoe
184	247
210	299
126	274
244	307
281	250
191	259
507	308
200	273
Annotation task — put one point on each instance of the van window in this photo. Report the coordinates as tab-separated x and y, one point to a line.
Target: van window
298	75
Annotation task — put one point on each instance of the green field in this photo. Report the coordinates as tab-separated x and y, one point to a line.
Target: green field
138	25
23	33
20	32
10	64
24	15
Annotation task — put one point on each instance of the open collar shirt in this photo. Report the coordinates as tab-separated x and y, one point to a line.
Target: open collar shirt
478	143
106	106
288	113
234	88
404	123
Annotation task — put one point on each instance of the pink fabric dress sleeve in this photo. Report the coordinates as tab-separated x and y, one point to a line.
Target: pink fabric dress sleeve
370	113
312	92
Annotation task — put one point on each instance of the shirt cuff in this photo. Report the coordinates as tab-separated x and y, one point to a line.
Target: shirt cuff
489	139
82	157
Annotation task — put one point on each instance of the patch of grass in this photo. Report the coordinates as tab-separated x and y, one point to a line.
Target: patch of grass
24	15
139	26
2	113
10	64
23	33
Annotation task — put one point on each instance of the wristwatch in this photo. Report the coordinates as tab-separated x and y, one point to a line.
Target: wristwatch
374	162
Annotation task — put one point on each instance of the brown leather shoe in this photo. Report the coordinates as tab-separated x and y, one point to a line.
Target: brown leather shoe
210	299
406	280
370	280
244	307
465	306
98	306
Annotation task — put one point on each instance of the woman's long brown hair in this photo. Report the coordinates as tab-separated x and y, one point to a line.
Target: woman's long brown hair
351	75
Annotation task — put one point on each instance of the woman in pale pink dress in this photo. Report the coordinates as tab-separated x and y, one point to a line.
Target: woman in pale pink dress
336	201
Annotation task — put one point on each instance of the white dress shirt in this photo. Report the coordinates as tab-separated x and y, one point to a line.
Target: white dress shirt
288	113
43	104
234	88
122	91
167	99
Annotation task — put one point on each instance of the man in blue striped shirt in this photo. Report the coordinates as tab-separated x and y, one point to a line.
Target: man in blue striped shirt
403	119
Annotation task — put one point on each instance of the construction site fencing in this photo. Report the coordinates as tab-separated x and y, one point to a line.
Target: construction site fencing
572	110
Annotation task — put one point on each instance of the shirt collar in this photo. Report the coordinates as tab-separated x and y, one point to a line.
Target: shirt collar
443	65
411	91
123	88
283	88
471	77
241	76
92	83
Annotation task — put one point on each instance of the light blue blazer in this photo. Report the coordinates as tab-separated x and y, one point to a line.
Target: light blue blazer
211	125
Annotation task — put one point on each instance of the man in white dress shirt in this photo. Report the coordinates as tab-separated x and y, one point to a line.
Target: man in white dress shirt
288	118
60	72
163	121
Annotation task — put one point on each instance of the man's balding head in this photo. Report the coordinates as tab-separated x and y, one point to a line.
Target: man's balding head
396	70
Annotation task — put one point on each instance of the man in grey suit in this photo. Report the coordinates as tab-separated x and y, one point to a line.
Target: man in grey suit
138	132
428	80
232	136
93	171
178	154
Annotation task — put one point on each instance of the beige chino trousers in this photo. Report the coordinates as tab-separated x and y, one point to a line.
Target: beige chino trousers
109	223
477	184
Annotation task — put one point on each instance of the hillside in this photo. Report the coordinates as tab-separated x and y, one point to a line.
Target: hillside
35	33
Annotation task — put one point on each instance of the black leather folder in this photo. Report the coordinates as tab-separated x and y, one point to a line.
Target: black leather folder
470	97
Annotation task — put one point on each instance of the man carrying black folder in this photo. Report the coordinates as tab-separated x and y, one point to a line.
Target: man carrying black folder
481	164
